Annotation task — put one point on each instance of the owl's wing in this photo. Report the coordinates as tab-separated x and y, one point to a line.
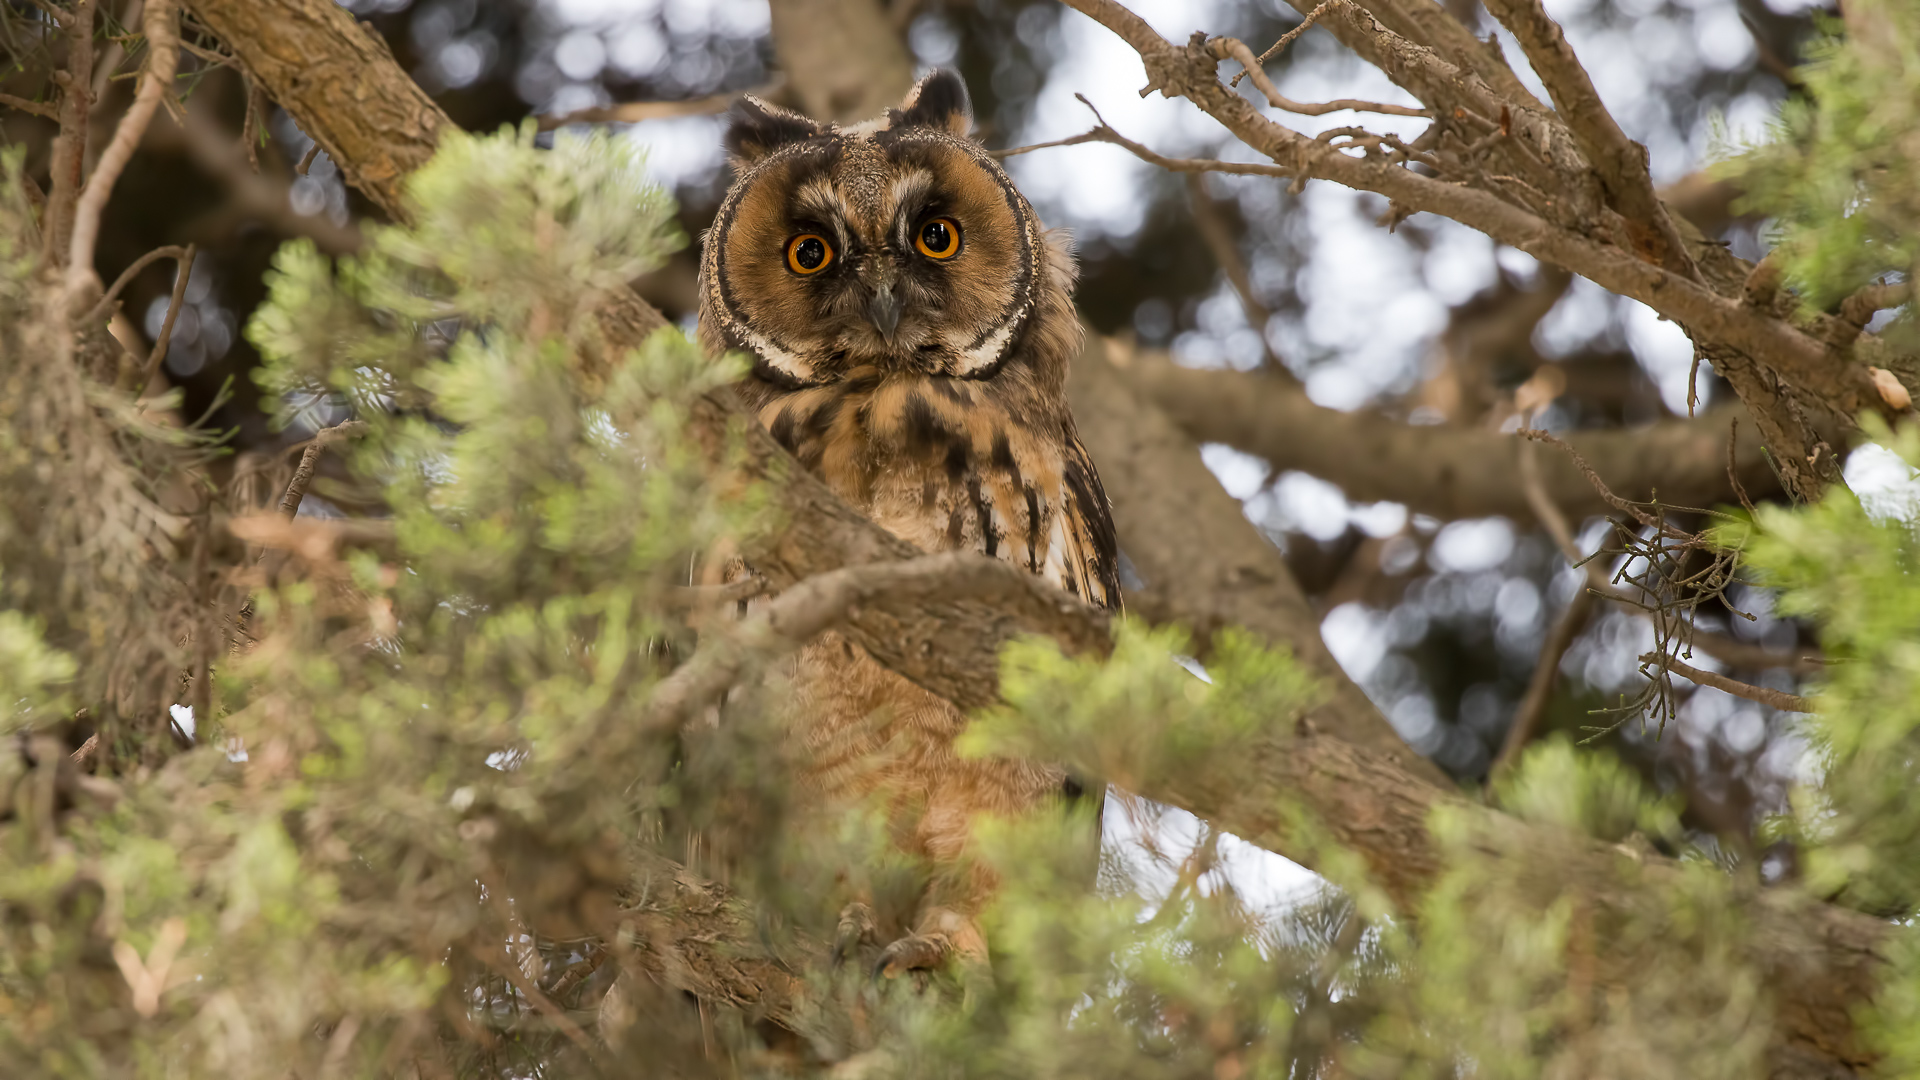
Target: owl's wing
1089	532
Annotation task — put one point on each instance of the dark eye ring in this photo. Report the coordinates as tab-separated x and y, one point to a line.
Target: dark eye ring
939	238
808	253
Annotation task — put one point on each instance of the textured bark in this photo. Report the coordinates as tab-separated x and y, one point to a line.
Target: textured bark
1821	960
1451	472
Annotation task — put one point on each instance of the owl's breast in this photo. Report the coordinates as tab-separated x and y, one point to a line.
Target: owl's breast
958	465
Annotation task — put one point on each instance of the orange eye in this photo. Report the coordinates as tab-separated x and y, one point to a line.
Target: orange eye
809	253
939	238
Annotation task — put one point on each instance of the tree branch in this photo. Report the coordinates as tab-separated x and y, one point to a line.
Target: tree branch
162	25
105	306
1573	238
1448	472
180	276
70	146
634	112
1778	699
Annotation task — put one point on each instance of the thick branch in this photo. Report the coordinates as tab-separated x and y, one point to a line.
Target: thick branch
1202	562
1449	472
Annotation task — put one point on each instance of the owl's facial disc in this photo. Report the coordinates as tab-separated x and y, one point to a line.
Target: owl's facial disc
908	249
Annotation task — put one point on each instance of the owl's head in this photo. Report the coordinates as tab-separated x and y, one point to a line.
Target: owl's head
896	243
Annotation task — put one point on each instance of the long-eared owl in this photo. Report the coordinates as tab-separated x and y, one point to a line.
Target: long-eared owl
910	324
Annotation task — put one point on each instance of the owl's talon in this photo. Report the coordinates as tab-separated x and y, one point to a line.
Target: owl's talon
854	929
915	952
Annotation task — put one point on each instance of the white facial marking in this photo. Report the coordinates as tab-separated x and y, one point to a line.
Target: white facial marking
775	355
982	356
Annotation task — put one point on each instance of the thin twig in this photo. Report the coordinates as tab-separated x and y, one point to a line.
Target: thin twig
83	757
1225	48
306	159
250	127
162	23
575	974
1599	485
1226	253
1778	699
712	596
40	109
554	1013
1286	39
105	307
634	112
820	602
1733	472
1546	670
310	458
217	59
1106	134
181	274
108	62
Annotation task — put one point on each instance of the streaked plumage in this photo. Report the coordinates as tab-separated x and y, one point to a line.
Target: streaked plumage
910	325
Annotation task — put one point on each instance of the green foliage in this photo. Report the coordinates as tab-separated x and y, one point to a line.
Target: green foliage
1857	827
1519	969
439	737
1589	792
1139	717
1855	576
1837	175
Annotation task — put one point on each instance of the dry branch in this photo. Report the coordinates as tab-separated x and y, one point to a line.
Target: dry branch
32	108
1548	203
1620	163
1236	50
1286	39
634	112
180	278
162	24
102	309
1778	699
829	600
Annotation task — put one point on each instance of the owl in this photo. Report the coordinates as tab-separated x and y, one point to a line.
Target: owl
909	324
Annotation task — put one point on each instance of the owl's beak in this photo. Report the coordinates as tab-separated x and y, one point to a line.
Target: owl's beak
883	311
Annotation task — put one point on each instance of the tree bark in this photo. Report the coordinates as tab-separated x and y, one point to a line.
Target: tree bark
1451	472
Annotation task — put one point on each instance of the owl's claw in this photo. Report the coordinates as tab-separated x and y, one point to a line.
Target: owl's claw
855	929
942	934
915	952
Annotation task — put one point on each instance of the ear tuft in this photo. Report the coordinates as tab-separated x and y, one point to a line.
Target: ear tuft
756	129
939	100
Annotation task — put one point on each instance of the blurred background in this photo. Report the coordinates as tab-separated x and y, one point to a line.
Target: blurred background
1428	323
